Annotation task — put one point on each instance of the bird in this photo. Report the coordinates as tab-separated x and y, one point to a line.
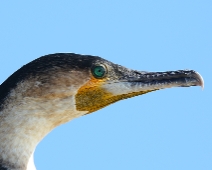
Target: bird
56	88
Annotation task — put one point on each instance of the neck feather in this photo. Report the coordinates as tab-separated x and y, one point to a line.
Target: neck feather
25	120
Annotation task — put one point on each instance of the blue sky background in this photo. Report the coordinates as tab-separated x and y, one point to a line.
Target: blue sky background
163	130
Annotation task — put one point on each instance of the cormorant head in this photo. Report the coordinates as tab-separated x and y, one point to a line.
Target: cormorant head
92	81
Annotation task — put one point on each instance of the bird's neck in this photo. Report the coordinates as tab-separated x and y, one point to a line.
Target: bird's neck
19	136
25	121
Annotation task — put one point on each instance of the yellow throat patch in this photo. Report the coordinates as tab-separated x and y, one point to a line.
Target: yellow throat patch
91	96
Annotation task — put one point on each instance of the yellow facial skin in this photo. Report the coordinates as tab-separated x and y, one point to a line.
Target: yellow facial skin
92	96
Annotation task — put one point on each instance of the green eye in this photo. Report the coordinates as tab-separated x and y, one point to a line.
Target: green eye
98	71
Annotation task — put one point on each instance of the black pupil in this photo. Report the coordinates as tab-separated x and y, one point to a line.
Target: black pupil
99	71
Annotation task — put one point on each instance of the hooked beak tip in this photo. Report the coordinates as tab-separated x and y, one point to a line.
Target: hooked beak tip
200	80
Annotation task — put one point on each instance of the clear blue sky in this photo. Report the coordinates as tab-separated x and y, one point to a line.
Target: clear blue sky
165	130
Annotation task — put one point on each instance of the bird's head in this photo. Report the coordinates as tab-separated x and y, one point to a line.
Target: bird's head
91	81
